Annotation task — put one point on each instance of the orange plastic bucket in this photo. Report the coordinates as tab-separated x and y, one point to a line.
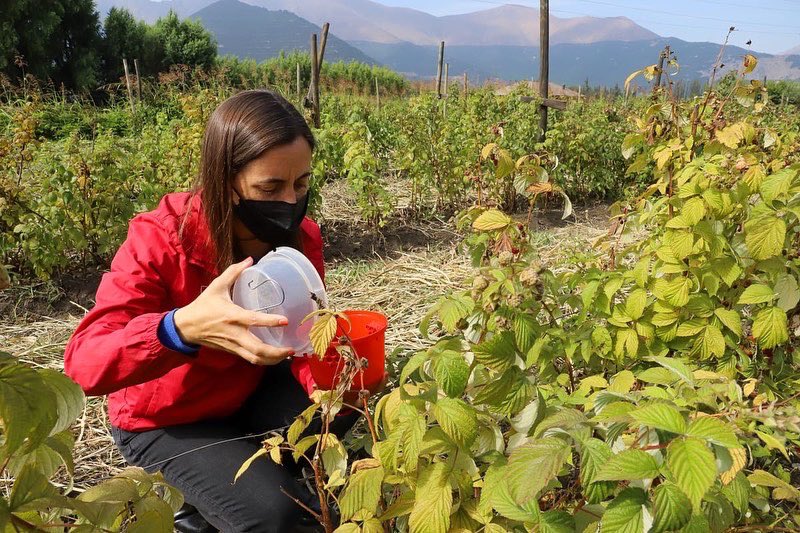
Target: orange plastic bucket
367	333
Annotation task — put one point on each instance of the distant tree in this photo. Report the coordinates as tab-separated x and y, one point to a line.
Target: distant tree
696	88
124	37
185	42
55	40
75	44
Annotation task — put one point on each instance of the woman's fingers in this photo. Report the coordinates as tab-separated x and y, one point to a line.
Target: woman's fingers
266	354
254	319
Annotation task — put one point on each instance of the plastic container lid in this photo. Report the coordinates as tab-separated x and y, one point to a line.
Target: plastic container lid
283	282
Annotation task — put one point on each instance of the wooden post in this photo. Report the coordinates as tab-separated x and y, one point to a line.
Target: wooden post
314	88
138	80
439	70
298	82
320	57
544	64
466	85
377	95
664	55
128	83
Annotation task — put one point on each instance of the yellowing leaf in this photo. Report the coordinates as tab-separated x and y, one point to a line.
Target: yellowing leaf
322	333
749	63
770	327
738	460
261	452
765	236
433	501
693	466
772	443
758	293
490	220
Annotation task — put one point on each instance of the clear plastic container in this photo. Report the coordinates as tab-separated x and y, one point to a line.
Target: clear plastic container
283	282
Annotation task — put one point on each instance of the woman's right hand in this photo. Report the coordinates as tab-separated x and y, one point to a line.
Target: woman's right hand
213	320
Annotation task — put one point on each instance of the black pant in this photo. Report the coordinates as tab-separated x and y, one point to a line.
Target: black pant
205	476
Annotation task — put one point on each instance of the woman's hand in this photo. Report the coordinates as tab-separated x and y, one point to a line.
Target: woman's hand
213	320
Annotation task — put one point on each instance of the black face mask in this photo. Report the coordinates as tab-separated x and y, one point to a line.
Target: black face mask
273	222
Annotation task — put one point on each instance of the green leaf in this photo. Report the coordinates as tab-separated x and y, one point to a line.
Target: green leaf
629	464
594	454
738	492
757	293
693	466
457	419
301	423
782	490
525	328
533	465
764	236
556	522
711	343
677	367
348	527
496	494
730	319
714	431
625	514
788	292
451	372
490	220
697	524
635	304
69	398
411	427
433	501
452	309
28	407
508	393
772	443
627	343
660	416
363	491
777	185
372	525
673	510
770	327
675	291
412	365
152	514
601	340
498	353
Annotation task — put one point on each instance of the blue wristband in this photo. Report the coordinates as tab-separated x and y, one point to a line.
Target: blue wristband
170	338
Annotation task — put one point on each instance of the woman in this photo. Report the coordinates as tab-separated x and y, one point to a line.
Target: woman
171	350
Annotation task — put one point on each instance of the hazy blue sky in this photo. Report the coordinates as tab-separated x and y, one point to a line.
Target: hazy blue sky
772	25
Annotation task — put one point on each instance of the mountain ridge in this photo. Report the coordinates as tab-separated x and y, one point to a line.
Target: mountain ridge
249	31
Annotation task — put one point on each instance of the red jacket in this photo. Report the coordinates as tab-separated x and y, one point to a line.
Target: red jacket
116	351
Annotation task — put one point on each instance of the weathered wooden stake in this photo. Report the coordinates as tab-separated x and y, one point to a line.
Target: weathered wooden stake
664	55
320	57
128	83
544	64
138	80
377	95
314	88
299	89
440	70
466	85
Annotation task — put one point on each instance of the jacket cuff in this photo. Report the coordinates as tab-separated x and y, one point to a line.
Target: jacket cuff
169	336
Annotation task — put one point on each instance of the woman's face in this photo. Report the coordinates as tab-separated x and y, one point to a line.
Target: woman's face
279	174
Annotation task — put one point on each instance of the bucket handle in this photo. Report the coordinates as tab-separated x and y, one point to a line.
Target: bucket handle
280	289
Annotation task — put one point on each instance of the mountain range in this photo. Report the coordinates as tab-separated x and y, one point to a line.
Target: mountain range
500	42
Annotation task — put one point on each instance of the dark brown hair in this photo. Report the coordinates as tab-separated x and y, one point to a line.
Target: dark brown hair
241	129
